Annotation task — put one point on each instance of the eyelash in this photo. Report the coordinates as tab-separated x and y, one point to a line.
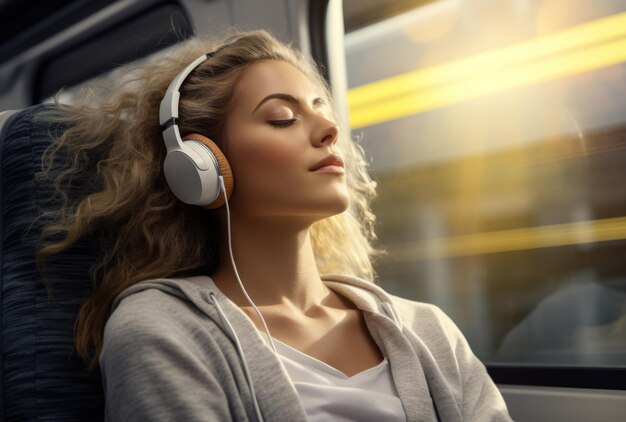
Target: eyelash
282	123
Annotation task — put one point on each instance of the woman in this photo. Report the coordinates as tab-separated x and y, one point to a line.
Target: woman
229	309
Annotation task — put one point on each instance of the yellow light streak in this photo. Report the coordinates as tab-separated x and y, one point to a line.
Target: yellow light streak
581	232
412	103
491	72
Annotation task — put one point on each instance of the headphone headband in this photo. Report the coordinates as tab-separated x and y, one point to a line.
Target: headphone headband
168	112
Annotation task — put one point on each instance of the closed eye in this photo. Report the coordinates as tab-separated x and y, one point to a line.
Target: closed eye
282	123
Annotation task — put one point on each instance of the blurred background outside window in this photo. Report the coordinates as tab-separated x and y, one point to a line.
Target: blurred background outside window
497	133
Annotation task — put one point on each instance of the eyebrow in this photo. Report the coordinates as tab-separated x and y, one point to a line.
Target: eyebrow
281	96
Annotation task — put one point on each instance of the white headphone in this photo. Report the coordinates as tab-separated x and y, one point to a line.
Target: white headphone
194	163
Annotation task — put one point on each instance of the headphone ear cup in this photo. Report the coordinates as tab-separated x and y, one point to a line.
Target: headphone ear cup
222	162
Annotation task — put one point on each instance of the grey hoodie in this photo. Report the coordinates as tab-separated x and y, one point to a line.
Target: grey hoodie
180	350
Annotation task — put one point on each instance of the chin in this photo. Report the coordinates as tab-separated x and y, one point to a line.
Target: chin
345	204
336	206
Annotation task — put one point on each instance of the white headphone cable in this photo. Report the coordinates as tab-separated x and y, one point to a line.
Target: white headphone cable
232	259
241	353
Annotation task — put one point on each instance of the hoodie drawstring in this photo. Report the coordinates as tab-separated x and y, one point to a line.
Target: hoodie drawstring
243	358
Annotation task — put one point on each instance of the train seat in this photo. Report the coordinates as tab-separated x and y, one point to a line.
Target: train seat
40	378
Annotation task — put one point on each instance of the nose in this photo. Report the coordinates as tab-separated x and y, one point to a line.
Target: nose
326	132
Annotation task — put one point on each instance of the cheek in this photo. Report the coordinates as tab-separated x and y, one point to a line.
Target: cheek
273	157
262	160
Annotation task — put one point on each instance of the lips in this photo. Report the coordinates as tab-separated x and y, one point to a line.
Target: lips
329	160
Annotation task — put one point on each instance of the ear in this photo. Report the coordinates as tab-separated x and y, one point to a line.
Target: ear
227	173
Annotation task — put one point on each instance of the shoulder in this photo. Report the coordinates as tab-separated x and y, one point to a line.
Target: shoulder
150	319
425	319
411	310
146	308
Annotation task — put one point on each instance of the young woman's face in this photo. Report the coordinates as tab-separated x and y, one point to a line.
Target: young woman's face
278	131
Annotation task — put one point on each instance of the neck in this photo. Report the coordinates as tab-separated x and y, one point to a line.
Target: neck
275	261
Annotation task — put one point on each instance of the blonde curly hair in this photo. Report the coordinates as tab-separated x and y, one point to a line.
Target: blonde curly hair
150	233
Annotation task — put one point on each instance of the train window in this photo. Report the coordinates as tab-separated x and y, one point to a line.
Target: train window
122	40
20	31
497	133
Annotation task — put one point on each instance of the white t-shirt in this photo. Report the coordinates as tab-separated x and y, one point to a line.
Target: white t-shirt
327	394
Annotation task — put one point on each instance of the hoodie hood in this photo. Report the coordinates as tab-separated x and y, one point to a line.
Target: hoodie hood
201	290
366	295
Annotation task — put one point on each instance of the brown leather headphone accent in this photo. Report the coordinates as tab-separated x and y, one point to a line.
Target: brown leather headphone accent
223	164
